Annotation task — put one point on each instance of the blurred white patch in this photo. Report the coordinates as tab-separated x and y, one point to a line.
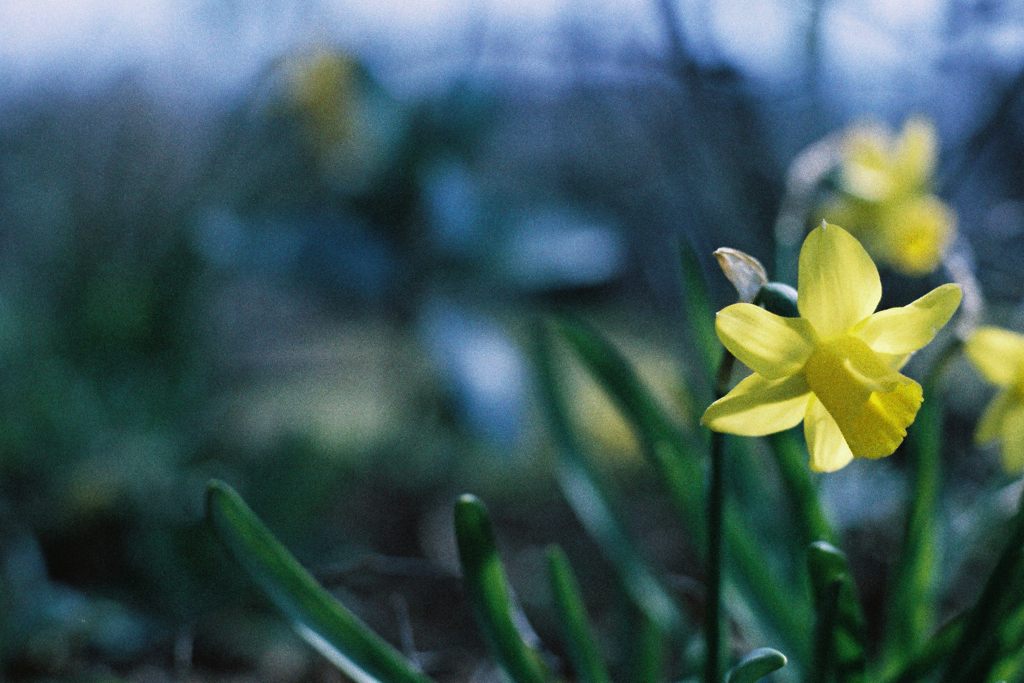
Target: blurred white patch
554	249
485	371
880	56
763	39
454	207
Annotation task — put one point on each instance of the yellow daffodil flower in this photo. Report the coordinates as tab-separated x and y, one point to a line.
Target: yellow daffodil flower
999	356
325	89
885	198
836	367
351	127
876	167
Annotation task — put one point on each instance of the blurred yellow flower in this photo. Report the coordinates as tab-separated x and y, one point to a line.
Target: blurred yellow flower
836	366
351	126
325	90
999	356
885	199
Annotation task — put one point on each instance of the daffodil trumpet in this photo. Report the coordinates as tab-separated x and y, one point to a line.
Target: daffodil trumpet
836	366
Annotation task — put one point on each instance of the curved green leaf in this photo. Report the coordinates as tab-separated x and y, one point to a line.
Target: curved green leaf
572	613
756	666
639	581
584	493
700	314
489	593
319	619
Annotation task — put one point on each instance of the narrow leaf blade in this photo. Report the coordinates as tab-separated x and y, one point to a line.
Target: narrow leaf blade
679	468
700	314
572	613
489	592
318	618
988	612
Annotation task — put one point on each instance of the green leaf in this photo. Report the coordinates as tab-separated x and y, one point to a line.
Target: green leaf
678	467
700	314
827	566
910	610
646	651
677	462
984	618
585	494
1010	659
488	589
572	614
319	619
827	612
930	655
756	666
639	581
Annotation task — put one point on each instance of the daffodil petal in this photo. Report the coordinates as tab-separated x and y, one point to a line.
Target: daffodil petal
914	234
909	328
896	361
1012	435
758	406
829	450
872	403
991	422
770	345
838	281
916	153
998	354
865	171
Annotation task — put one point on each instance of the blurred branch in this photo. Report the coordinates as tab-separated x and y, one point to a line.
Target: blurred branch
971	150
806	173
814	56
680	61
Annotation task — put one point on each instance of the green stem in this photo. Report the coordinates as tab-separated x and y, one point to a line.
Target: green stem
912	603
648	651
791	458
825	633
713	635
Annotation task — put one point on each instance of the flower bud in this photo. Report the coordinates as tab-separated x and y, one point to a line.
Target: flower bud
744	271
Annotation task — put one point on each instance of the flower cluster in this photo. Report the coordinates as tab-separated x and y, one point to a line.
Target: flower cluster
836	367
884	196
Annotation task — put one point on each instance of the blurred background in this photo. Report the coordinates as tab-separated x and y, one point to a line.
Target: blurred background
300	245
